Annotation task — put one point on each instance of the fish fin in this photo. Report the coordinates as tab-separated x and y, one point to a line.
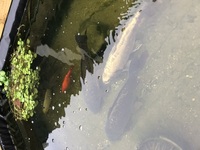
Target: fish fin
83	69
89	65
86	65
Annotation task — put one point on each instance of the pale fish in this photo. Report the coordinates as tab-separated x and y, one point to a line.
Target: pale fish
47	101
127	104
121	50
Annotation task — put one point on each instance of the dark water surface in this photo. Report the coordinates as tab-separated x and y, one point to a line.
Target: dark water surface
134	84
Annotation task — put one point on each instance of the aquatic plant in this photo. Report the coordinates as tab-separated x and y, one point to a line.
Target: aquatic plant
3	78
22	82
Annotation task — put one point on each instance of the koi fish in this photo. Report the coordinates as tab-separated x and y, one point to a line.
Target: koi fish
120	52
66	81
127	103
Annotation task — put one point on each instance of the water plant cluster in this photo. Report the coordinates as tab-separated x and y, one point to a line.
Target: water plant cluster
3	78
22	82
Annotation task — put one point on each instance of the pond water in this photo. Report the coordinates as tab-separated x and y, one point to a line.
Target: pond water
134	83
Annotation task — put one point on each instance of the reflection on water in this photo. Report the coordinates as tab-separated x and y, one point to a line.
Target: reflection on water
151	97
65	55
93	93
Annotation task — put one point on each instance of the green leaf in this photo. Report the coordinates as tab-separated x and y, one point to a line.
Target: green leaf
2	79
28	42
2	73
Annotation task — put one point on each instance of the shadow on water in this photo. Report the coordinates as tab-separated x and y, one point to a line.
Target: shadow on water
86	56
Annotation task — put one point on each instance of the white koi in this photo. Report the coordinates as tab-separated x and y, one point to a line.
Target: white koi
121	50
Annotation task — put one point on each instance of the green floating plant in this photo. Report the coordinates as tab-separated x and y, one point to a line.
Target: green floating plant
3	78
22	83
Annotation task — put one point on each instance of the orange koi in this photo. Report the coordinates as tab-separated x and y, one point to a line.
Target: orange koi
66	81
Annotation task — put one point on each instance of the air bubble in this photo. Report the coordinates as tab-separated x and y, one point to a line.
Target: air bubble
63	124
80	127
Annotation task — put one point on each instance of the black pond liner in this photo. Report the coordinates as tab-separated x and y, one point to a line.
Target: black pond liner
13	21
11	137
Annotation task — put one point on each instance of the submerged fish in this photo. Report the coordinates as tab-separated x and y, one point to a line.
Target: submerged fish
126	104
66	81
47	101
120	52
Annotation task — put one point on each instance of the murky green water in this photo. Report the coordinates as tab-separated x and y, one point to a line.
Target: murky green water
148	97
